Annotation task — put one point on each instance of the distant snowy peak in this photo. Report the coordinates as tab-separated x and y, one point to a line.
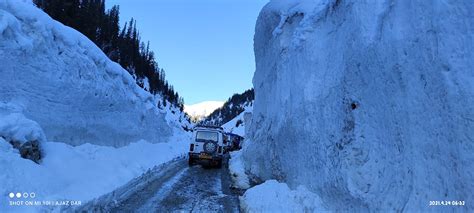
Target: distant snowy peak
231	108
200	110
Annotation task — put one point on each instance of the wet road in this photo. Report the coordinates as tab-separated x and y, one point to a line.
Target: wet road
173	187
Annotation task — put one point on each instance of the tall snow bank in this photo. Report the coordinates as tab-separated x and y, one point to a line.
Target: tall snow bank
376	98
61	80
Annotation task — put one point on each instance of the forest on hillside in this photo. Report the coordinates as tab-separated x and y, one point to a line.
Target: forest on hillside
231	108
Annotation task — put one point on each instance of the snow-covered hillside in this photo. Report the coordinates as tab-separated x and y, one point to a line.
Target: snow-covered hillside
235	105
57	77
368	104
237	124
200	110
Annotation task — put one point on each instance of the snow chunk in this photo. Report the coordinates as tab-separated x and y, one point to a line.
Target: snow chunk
272	196
15	127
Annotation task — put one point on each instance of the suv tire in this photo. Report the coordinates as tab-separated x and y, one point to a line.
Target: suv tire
209	145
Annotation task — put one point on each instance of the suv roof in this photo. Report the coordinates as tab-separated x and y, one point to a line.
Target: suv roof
233	135
208	127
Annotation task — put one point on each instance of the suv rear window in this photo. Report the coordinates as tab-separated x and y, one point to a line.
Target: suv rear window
203	136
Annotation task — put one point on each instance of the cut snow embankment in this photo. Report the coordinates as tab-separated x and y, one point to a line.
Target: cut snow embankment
270	196
376	98
56	85
237	171
64	82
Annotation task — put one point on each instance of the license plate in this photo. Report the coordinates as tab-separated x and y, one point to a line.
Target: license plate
204	156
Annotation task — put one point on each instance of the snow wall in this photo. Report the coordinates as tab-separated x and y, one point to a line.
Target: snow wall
370	104
60	79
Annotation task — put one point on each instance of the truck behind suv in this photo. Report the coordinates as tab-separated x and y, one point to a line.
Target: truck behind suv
207	146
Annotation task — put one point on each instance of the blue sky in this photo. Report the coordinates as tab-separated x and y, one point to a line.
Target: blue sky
205	46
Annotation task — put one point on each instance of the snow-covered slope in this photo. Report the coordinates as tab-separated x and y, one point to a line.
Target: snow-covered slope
235	105
60	79
200	110
237	124
370	104
78	173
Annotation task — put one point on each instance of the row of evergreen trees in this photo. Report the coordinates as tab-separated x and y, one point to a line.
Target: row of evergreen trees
231	108
122	45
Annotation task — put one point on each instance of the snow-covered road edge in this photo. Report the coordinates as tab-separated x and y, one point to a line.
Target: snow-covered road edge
237	171
78	173
110	200
270	196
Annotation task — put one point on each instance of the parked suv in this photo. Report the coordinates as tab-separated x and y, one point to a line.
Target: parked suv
207	146
234	141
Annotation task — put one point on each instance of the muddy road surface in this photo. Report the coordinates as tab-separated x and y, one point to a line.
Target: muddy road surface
172	187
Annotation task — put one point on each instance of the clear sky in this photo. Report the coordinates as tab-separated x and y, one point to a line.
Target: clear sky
205	46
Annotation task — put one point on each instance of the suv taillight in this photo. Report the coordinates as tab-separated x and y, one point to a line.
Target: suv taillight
191	148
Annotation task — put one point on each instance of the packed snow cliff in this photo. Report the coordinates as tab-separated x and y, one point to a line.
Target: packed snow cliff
370	105
57	77
57	86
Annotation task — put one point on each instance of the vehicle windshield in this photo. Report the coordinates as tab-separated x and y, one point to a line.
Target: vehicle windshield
204	136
